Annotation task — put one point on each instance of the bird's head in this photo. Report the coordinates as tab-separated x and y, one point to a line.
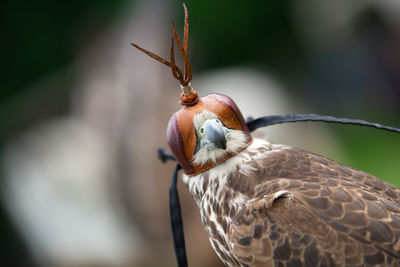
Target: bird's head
205	134
214	140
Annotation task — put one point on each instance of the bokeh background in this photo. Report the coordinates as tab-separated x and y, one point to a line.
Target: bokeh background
82	112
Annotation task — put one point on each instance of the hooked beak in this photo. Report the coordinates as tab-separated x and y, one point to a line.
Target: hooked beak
215	134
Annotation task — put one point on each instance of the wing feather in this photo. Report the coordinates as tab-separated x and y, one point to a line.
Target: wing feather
335	216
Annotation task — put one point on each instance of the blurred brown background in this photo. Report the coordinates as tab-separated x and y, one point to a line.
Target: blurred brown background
82	113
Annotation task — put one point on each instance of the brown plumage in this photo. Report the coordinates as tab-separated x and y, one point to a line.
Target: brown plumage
274	205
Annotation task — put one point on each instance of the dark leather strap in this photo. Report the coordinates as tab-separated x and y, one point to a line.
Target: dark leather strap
176	221
276	119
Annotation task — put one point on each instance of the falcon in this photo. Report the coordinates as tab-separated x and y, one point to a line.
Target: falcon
276	205
265	204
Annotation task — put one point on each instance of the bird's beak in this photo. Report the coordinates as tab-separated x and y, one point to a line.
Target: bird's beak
215	133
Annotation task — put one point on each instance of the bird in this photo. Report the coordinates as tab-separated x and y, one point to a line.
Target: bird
265	204
276	205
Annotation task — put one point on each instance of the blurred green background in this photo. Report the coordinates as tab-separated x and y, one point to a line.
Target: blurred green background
341	59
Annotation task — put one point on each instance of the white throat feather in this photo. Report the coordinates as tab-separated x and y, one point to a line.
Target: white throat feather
235	141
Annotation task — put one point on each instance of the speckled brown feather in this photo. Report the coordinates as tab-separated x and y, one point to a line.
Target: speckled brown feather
296	208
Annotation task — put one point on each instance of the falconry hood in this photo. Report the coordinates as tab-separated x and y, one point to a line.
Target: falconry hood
181	133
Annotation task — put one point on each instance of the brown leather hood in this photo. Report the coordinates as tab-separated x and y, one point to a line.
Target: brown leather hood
181	135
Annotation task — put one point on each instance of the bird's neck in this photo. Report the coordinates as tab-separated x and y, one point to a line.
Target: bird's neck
215	180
